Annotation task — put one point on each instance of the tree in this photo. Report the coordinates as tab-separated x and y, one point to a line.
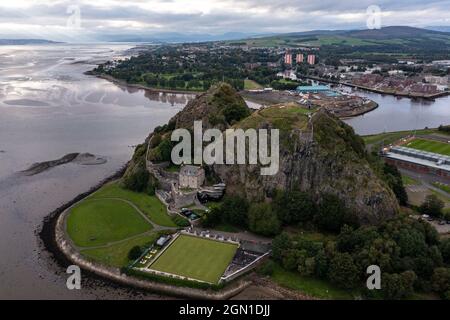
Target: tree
212	218
279	245
395	181
165	148
411	242
235	210
135	253
138	179
331	213
432	206
398	286
294	206
440	281
235	112
445	250
343	271
262	220
267	268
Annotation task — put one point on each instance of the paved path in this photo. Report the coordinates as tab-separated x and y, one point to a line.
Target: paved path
155	227
106	245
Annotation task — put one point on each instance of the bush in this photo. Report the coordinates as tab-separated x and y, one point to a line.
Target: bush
343	271
432	206
331	214
135	253
445	250
180	221
398	286
235	113
262	220
234	210
440	281
294	206
212	218
267	268
137	180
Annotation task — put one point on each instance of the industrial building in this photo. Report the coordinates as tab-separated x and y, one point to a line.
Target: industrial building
418	161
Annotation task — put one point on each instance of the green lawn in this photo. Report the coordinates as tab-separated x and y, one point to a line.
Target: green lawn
196	258
116	255
251	85
430	146
442	186
391	137
408	181
98	222
150	205
308	285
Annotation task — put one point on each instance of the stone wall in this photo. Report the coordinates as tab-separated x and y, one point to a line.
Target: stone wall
66	247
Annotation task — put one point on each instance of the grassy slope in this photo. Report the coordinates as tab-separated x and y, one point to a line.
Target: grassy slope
98	222
150	205
251	85
391	137
117	255
196	258
308	285
443	187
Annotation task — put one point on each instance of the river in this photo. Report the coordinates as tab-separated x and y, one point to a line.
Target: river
398	114
49	108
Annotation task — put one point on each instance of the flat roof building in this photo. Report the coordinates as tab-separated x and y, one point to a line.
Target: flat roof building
312	89
419	161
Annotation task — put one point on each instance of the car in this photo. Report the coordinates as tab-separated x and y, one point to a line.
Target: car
448	221
441	223
425	216
430	219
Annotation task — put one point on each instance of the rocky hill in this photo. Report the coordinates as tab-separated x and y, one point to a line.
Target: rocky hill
318	154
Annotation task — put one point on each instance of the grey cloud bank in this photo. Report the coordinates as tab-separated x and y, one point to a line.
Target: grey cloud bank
111	20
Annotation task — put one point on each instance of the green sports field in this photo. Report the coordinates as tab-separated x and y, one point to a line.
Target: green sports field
196	258
99	222
430	146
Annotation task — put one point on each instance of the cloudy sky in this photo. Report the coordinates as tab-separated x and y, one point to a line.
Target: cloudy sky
91	20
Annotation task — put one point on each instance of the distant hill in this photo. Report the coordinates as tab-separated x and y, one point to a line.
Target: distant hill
400	32
176	37
16	42
397	37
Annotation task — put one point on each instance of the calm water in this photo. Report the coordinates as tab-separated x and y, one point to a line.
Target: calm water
49	108
395	114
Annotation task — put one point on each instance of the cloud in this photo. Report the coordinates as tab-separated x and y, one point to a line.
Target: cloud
101	19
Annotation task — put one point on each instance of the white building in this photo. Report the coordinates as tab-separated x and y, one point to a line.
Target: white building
191	177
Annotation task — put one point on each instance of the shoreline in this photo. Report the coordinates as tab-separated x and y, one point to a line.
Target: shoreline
141	86
249	98
395	94
53	237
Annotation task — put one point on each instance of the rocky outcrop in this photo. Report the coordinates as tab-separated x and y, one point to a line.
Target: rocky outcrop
318	155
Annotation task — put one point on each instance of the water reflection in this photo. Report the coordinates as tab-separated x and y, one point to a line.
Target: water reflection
396	114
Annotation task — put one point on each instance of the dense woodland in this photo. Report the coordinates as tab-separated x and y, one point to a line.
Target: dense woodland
188	69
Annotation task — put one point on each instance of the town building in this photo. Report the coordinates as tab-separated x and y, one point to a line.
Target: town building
311	59
287	74
299	58
312	89
191	177
288	58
